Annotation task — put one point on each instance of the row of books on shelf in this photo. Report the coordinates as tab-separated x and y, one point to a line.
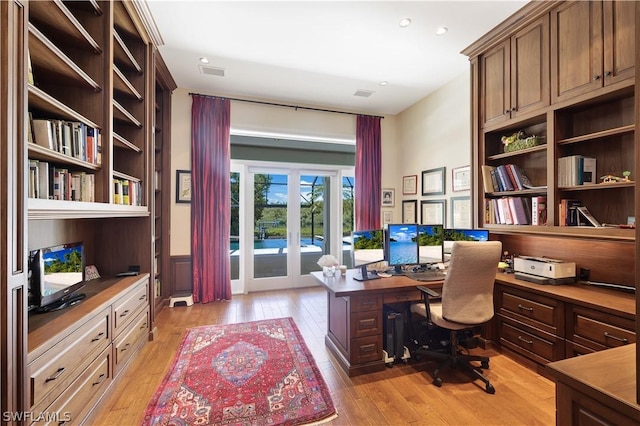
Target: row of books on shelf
575	170
49	182
71	138
127	192
505	177
572	213
516	210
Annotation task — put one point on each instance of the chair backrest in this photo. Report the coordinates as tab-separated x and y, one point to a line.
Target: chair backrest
467	292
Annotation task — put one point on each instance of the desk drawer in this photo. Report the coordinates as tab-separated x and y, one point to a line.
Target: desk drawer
367	323
366	349
127	343
521	340
403	296
366	303
59	366
598	330
537	311
125	307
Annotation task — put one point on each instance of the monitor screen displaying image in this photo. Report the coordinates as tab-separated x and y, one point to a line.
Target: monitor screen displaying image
402	244
368	246
430	244
451	235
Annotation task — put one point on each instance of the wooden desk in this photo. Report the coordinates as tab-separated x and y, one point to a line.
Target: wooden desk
598	388
354	332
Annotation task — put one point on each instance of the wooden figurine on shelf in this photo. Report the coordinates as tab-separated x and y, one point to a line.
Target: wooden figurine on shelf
612	178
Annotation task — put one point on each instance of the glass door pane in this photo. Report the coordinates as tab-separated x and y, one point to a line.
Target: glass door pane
315	238
348	219
235	242
270	225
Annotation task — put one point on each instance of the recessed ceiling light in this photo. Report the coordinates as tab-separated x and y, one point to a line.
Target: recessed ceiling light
404	22
384	83
441	30
204	60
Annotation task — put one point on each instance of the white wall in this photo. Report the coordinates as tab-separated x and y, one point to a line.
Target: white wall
433	133
249	118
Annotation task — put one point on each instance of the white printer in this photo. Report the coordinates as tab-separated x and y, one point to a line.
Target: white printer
543	270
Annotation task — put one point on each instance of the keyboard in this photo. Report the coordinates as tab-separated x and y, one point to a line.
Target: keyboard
427	275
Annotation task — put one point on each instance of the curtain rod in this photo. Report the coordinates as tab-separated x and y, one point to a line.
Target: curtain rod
296	107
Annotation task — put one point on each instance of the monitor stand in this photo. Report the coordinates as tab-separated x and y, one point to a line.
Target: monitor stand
397	270
361	274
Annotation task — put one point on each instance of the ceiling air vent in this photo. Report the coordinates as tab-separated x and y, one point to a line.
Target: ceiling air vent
218	72
363	93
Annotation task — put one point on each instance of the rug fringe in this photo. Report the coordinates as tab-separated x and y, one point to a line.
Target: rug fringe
323	421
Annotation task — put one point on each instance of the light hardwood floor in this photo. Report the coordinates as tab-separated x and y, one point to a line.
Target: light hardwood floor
400	395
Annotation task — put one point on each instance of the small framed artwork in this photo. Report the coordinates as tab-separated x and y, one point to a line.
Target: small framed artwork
461	178
433	181
388	196
183	186
409	208
460	212
387	216
432	212
410	184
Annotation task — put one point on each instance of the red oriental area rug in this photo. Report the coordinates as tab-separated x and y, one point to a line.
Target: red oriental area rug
253	373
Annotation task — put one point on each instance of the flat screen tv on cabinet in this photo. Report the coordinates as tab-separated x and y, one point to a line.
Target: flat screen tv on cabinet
56	274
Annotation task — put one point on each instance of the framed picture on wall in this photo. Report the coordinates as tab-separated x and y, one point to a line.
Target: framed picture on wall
433	181
432	212
183	186
410	184
409	211
388	196
461	178
387	216
460	212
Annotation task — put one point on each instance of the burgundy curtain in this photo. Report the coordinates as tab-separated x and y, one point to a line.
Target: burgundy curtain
210	198
368	171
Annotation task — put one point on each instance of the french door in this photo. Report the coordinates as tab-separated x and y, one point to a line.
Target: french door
289	217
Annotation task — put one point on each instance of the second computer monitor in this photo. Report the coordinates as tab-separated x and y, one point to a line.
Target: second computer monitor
430	244
401	246
452	235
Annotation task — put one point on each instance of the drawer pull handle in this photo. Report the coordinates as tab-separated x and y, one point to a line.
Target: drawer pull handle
522	339
98	337
100	379
619	339
524	308
367	348
144	296
55	376
143	326
367	323
124	314
367	303
125	347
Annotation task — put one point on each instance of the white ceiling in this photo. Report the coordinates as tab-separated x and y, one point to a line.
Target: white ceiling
319	53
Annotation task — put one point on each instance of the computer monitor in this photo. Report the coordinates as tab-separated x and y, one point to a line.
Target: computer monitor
401	245
451	235
430	244
367	248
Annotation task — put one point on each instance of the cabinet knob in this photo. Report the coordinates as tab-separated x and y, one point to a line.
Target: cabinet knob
513	109
506	111
608	73
596	77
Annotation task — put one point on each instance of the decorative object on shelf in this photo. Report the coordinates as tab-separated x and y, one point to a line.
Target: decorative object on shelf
432	212
611	178
410	185
433	181
91	273
520	140
461	178
183	186
409	211
388	196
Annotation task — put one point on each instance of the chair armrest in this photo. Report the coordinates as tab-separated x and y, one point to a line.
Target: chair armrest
428	291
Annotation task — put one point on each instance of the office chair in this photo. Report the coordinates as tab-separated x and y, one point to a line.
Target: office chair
466	301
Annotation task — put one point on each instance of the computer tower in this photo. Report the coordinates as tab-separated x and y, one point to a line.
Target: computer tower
393	336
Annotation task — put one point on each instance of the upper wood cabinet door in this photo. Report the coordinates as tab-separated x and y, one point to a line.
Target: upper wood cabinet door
495	98
619	40
530	67
576	49
515	74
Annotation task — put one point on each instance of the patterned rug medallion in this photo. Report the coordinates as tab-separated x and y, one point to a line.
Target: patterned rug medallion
253	373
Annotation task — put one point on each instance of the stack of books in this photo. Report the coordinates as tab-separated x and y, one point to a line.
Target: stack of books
576	170
505	177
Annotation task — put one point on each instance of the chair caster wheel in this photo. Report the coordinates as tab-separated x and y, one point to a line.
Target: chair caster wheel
485	365
438	382
490	389
405	361
389	364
